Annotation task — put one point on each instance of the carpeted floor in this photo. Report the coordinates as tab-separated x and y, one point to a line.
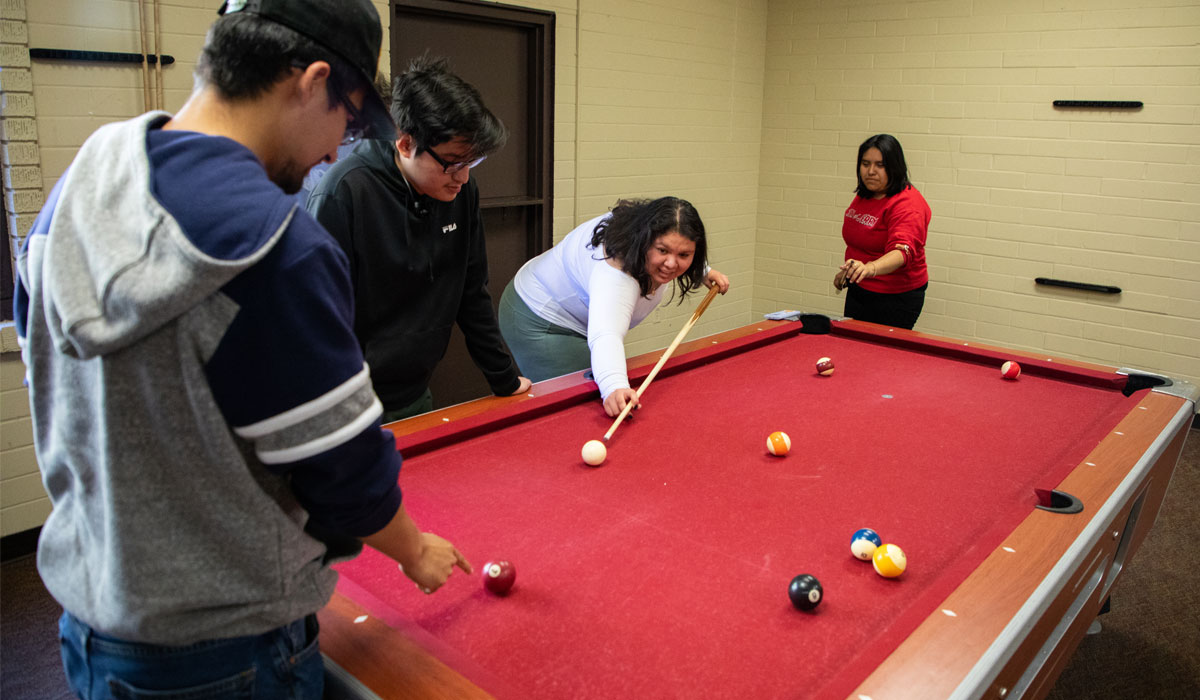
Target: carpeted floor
1149	648
30	666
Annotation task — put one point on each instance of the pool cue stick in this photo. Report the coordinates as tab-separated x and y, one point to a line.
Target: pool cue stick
158	74
712	294
147	100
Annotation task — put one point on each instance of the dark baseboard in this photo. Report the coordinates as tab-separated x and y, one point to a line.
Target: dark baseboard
19	544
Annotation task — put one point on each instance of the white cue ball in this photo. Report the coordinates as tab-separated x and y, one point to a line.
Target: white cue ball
594	453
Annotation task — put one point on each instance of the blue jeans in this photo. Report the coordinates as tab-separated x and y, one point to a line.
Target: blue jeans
283	663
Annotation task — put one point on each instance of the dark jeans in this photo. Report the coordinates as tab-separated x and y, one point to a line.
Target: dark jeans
283	663
423	404
899	310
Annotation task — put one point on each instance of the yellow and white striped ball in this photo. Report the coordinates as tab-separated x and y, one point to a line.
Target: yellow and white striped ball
889	560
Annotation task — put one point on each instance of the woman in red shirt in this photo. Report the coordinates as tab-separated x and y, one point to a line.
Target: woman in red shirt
884	230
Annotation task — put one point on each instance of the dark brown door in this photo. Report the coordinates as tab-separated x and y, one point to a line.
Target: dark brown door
507	54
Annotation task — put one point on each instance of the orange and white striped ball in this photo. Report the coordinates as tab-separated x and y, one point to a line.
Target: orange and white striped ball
889	560
1010	370
778	443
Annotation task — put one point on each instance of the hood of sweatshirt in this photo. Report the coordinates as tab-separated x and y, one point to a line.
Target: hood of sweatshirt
111	265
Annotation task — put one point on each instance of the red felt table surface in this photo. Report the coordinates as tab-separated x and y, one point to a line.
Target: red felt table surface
664	572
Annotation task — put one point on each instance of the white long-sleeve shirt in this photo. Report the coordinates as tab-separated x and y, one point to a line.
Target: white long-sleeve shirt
573	286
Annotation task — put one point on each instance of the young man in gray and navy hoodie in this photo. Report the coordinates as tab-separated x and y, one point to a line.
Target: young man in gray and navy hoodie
203	416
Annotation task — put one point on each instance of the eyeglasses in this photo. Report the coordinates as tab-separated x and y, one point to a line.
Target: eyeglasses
451	168
354	128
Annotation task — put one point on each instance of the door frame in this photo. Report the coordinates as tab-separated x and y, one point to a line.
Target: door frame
540	76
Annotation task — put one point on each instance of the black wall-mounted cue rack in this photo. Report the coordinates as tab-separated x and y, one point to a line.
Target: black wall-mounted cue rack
97	56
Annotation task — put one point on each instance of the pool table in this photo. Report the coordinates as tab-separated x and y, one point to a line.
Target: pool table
664	571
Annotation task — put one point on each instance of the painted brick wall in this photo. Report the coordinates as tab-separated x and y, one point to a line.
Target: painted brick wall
23	503
73	99
1018	188
669	103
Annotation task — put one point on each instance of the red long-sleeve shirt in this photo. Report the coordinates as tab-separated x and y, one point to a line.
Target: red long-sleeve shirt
873	227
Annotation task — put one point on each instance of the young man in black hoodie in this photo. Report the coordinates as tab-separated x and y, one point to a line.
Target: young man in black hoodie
406	212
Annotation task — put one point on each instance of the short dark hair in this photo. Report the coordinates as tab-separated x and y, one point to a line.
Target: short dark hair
634	226
244	55
434	106
893	165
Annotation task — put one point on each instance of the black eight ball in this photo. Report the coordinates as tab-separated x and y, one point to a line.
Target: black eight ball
805	592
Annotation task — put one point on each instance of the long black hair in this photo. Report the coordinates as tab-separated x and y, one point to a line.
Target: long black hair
634	226
893	165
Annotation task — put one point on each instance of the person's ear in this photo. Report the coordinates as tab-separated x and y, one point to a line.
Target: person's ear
313	79
406	145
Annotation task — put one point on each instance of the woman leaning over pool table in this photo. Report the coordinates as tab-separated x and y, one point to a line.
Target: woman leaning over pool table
571	306
884	229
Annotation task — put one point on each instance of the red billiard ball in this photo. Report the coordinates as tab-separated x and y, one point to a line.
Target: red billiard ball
499	576
824	366
1010	370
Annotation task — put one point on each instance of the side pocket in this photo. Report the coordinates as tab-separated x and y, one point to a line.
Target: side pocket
237	687
74	661
302	672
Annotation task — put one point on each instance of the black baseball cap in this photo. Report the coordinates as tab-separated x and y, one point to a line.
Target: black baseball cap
348	28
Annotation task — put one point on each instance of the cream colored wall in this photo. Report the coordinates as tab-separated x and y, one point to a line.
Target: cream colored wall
1018	188
657	98
23	503
669	102
74	99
